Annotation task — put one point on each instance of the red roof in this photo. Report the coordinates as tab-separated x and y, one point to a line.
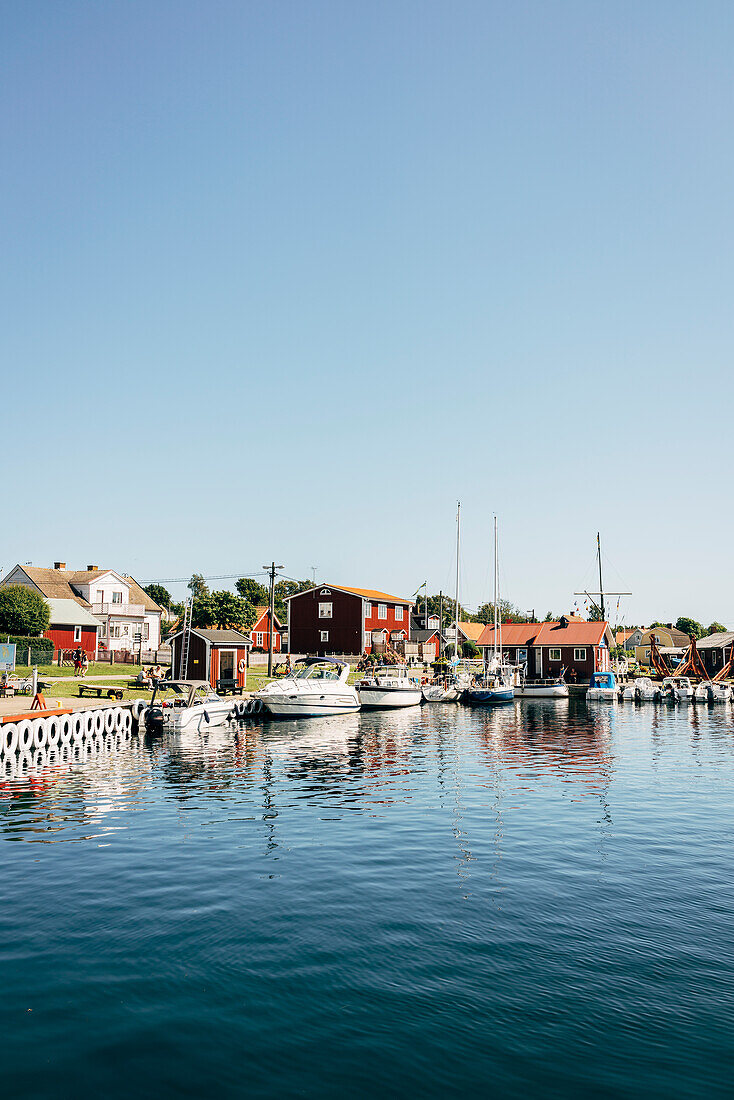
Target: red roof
575	633
512	634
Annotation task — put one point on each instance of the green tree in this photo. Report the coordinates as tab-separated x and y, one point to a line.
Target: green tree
223	610
468	649
160	594
689	626
594	613
198	586
23	611
283	589
257	594
508	613
716	628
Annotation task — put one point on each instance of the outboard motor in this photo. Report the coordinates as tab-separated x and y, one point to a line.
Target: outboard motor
153	718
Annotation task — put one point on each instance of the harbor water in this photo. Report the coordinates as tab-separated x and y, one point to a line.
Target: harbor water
534	900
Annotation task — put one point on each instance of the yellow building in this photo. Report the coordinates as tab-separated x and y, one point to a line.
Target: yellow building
667	637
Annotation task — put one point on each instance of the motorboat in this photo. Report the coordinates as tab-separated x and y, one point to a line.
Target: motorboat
701	693
316	686
628	693
186	705
602	687
677	689
542	689
646	691
387	688
711	691
440	693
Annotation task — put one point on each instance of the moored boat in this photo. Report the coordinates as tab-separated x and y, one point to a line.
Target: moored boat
186	705
543	689
316	686
602	687
388	688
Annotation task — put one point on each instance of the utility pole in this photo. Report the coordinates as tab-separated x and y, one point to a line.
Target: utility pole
272	570
601	586
313	571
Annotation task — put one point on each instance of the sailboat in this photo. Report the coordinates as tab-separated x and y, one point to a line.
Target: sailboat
448	689
497	685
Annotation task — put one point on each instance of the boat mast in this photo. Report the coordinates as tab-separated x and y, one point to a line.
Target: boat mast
601	585
456	603
496	616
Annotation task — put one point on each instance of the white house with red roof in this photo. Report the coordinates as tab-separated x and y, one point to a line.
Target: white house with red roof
330	618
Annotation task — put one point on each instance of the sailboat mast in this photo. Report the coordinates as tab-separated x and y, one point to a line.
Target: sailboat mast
601	585
496	617
456	604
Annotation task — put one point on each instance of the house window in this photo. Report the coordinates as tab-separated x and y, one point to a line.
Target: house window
579	654
125	629
713	655
398	614
324	635
146	631
325	592
258	637
77	633
368	610
647	652
522	655
325	610
117	597
382	611
554	654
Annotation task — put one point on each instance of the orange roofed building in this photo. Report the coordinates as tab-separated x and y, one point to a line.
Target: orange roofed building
571	645
331	618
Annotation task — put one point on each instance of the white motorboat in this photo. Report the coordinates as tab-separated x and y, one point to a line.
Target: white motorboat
645	690
701	693
317	686
542	689
628	693
186	705
711	691
677	689
440	693
389	687
602	687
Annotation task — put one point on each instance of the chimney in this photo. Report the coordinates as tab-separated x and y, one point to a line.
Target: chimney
92	568
59	565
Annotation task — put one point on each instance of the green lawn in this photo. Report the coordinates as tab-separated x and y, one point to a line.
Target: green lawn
96	668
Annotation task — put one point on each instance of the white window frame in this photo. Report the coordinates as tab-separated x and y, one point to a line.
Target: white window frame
324	635
551	652
116	597
325	592
579	654
234	661
398	614
77	633
326	610
258	637
368	611
382	611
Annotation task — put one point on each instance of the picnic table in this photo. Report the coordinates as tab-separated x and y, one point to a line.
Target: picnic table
111	691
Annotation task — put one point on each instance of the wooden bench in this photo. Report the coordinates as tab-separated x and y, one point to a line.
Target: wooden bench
108	690
231	687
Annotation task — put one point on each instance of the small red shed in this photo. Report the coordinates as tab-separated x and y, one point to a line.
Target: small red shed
213	655
72	626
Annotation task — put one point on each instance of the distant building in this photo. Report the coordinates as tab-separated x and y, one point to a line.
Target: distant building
628	638
715	650
667	637
468	632
213	655
72	627
261	631
338	619
116	601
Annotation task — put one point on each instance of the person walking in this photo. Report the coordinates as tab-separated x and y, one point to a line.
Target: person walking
85	664
77	657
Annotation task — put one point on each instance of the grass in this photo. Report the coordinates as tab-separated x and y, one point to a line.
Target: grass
96	668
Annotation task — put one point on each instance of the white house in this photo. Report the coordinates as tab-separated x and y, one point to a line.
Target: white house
117	601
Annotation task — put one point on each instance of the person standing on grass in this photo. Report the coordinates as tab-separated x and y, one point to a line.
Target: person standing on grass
77	656
84	664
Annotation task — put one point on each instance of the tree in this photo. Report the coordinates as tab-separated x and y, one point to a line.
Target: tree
468	649
689	626
284	589
160	594
716	628
251	590
595	613
198	586
508	613
223	610
23	611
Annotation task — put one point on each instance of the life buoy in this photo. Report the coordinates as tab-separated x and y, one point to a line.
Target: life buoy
242	665
10	738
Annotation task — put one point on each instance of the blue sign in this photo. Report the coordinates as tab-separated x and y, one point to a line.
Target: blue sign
7	656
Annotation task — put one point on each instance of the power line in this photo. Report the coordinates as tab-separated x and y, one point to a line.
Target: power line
220	577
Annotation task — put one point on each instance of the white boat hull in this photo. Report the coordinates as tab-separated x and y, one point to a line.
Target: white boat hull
549	691
284	706
601	695
198	718
384	698
433	694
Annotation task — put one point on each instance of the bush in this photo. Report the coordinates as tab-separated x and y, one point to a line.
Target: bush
23	611
22	642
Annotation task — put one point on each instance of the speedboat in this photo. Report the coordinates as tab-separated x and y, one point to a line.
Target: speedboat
711	691
186	705
316	686
602	687
677	690
628	693
645	690
440	693
388	688
542	689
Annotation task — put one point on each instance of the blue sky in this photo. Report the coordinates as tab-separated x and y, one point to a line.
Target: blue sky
301	275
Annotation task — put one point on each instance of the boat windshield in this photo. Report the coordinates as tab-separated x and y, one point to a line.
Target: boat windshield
317	672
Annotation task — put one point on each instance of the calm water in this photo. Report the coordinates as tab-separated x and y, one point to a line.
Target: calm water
533	901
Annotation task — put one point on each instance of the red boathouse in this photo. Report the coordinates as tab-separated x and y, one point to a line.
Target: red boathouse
333	618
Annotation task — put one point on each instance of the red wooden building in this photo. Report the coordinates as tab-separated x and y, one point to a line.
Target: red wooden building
338	619
261	631
578	647
72	627
213	655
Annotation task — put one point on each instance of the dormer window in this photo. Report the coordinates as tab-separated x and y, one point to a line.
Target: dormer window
325	592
